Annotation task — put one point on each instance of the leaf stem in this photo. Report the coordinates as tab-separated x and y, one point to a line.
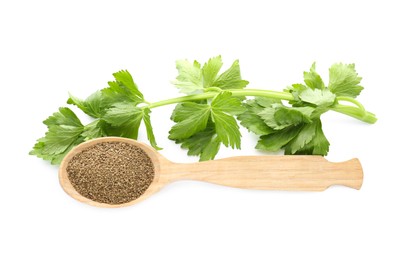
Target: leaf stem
235	93
358	112
351	100
262	93
170	101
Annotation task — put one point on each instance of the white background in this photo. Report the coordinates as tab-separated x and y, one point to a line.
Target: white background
50	48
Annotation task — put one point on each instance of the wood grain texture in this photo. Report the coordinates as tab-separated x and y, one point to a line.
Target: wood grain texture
307	173
288	172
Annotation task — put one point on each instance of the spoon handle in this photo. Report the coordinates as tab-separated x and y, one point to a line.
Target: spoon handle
306	173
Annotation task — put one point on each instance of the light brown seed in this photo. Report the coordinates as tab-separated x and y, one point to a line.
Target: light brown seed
111	172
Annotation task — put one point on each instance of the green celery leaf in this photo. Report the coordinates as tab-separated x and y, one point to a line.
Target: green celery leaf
277	140
295	90
181	112
210	71
65	116
123	89
95	129
250	118
64	130
344	80
267	102
53	158
125	81
279	117
92	106
210	149
191	118
305	136
231	78
186	109
60	137
120	131
149	128
223	106
320	142
190	78
313	79
227	129
123	113
56	159
193	78
126	117
203	127
204	143
123	119
319	97
226	103
293	115
254	123
319	145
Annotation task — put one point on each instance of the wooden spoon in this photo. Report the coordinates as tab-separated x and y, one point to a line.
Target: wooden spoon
280	172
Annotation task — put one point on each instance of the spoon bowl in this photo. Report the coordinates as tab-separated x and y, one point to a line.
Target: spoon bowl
156	158
278	172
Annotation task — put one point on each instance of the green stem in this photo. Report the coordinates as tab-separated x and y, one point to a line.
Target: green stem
170	101
351	100
235	93
213	89
262	93
356	112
